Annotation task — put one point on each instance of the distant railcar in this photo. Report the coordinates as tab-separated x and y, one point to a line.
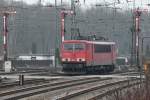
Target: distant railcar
122	63
122	60
88	56
37	60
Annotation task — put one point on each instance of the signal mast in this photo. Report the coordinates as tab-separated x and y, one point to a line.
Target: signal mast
5	15
137	35
137	16
63	14
72	13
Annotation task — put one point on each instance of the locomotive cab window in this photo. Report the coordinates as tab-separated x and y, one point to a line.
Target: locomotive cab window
74	46
102	48
68	46
79	46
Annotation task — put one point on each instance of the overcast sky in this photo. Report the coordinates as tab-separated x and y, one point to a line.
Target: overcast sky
89	3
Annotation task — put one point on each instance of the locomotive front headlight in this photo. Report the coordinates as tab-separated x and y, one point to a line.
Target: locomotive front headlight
80	59
68	59
83	59
63	59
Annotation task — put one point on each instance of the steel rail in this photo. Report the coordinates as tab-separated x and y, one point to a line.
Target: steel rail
16	83
84	91
22	72
26	92
113	91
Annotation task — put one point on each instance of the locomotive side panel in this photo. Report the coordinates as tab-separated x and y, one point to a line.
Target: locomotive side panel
89	54
102	54
114	54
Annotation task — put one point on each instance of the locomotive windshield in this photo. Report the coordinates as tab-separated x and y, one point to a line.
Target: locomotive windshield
74	46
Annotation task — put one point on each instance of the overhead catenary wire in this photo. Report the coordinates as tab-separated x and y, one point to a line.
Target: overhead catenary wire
53	20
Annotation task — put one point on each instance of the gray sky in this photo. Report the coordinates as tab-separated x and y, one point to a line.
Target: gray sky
89	3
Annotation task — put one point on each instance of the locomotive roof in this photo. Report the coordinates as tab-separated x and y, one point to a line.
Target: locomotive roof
75	41
94	42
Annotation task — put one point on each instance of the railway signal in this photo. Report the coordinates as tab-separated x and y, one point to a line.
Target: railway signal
5	15
137	36
137	16
63	14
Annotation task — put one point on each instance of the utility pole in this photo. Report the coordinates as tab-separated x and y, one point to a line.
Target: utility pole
56	37
133	40
74	26
39	2
73	18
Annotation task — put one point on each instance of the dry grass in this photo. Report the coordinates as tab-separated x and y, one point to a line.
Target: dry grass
140	92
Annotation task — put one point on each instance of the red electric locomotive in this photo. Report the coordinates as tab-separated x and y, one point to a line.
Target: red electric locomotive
88	56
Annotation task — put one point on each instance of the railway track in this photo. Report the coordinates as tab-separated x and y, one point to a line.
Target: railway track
46	72
128	74
29	91
113	90
24	92
16	83
30	72
99	91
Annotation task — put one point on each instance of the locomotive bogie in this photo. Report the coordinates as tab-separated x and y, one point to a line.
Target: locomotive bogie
74	67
